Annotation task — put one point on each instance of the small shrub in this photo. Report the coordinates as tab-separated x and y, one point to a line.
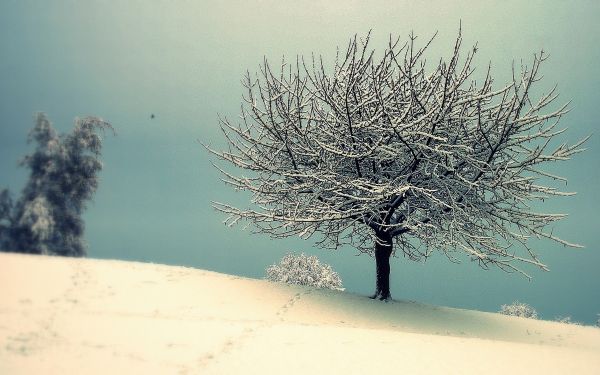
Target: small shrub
566	320
304	270
519	309
598	321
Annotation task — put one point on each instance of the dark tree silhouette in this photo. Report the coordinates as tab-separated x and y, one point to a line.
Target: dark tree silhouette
384	152
46	219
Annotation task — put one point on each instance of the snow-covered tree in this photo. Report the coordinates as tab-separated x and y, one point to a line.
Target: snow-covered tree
63	177
6	205
385	151
519	309
304	270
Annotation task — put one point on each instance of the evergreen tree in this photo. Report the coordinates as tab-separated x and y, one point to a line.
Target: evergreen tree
64	170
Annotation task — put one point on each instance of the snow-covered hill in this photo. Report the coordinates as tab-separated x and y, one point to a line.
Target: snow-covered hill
87	316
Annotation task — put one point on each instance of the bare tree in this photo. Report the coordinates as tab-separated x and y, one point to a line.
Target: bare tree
382	151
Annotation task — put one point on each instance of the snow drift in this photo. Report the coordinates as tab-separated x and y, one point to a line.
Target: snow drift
86	316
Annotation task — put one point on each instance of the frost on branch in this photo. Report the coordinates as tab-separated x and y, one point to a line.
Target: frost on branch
304	270
413	156
37	218
519	309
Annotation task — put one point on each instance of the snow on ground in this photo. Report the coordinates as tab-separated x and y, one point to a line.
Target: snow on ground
87	316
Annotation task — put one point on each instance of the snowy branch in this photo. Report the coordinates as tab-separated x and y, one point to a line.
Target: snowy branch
383	146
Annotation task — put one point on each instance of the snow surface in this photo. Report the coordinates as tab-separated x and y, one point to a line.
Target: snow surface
86	316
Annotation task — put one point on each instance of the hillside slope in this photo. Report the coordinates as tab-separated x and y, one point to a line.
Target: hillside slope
87	316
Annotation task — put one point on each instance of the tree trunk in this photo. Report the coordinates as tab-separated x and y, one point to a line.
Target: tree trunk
383	251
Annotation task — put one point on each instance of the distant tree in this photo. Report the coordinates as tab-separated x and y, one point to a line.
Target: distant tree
519	309
385	152
46	219
5	220
304	270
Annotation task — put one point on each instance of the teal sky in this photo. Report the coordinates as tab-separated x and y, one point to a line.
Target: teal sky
183	61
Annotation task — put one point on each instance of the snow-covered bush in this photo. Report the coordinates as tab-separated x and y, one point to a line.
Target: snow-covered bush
567	320
304	270
519	309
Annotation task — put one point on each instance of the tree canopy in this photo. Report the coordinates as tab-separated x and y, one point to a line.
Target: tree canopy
386	150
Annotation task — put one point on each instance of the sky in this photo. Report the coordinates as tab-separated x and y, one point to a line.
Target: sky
183	62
